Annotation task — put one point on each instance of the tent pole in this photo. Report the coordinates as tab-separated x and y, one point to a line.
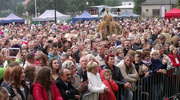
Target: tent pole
35	4
55	19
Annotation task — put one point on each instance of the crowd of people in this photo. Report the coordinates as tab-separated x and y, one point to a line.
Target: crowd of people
72	61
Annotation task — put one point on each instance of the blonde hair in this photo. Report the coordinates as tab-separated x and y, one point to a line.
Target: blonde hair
154	52
91	65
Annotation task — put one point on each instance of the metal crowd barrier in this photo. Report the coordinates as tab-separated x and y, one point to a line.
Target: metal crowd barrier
159	86
90	96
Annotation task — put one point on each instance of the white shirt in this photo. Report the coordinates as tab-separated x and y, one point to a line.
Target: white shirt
95	83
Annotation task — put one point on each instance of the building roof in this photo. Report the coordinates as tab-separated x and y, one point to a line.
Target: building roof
159	2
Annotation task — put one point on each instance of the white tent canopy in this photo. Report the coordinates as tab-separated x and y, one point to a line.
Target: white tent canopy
49	15
101	6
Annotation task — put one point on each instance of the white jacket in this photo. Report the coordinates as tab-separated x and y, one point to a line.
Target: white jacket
95	84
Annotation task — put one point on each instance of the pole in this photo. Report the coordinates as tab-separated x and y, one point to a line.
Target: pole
170	4
55	18
35	4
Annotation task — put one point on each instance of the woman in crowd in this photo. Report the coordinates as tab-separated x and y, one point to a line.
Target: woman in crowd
44	88
18	83
7	82
95	83
55	67
119	55
174	57
4	94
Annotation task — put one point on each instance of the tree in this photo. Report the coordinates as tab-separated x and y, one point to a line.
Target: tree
178	3
20	9
63	6
137	8
112	2
8	6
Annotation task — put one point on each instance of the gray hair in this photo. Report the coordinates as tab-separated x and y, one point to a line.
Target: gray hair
68	64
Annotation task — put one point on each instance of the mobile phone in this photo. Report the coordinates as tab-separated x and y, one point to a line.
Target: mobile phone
13	52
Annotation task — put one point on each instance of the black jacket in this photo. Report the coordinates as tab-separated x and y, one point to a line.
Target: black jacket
116	75
82	74
67	90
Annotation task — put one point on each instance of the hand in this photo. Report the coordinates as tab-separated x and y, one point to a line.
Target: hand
127	85
106	89
163	71
67	92
146	74
77	97
83	86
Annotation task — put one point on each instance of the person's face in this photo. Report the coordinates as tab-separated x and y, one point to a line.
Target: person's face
127	44
107	75
22	76
73	69
83	64
138	41
69	52
31	44
120	53
155	56
75	49
55	64
111	61
175	51
137	57
94	70
166	46
128	61
67	76
101	50
24	52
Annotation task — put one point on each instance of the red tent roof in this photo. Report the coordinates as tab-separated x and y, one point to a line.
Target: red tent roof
173	13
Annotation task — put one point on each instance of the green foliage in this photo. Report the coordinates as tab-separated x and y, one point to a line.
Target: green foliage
137	8
20	9
4	13
178	4
8	6
113	2
64	6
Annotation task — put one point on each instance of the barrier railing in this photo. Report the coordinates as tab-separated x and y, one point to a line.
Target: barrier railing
159	86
